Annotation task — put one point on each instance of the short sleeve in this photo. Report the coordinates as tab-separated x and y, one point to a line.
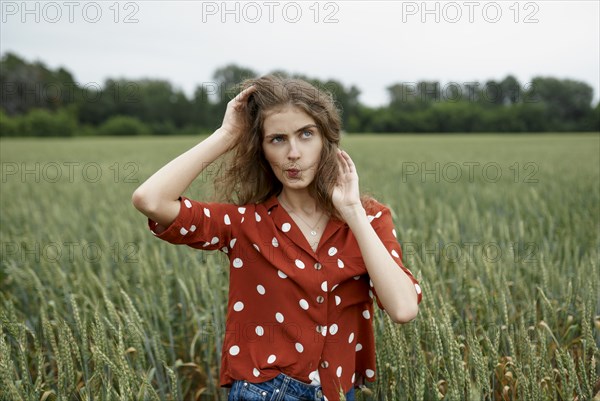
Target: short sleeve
199	225
382	223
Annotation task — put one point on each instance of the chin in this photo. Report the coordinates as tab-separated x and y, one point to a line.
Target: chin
297	184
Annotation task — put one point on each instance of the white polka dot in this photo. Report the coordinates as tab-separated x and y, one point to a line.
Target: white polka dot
207	212
358	347
340	264
369	373
226	219
275	242
183	231
370	218
260	289
299	264
338	300
418	288
188	204
206	244
332	251
256	247
234	350
239	305
353	377
378	215
281	274
237	263
271	358
225	249
214	240
241	221
259	330
324	330
338	371
394	253
350	338
356	277
242	210
333	329
314	375
257	216
193	228
324	286
394	232
232	242
299	347
370	283
334	287
370	294
366	314
286	227
256	372
303	304
279	317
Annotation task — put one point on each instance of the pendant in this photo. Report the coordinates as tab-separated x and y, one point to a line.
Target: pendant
313	232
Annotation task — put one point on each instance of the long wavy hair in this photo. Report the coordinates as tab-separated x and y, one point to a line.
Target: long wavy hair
247	176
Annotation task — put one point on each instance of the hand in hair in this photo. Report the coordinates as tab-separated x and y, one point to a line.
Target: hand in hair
234	120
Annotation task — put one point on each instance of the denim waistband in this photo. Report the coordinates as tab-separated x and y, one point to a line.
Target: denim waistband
278	388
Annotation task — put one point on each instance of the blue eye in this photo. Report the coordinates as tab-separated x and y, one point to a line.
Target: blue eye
307	132
276	139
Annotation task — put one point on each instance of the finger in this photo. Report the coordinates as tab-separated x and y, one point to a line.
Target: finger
243	95
340	166
344	162
348	161
340	162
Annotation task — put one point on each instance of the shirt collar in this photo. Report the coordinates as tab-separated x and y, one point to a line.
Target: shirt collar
280	216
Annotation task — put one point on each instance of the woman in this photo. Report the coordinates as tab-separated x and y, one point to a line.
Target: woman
307	253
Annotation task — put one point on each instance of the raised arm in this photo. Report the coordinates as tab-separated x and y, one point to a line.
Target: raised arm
157	197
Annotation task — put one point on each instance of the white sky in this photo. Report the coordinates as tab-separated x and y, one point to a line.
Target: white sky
372	45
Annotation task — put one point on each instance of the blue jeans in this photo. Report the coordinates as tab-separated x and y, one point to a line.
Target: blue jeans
280	388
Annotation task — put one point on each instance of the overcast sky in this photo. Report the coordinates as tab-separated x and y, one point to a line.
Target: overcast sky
368	44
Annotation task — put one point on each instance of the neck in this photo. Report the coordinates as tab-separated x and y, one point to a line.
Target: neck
299	201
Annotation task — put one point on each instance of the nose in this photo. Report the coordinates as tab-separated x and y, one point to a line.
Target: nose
293	152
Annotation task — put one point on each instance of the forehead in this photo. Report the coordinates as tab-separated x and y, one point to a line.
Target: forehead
286	120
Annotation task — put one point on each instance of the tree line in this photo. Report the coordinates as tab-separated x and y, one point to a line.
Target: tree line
39	101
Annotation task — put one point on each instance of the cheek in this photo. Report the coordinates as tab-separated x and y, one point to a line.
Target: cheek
270	157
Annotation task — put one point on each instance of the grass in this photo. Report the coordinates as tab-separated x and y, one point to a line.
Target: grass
93	307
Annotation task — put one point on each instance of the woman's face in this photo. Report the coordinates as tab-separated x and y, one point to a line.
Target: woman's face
292	145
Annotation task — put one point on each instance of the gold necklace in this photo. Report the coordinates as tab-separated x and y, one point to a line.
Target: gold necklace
313	232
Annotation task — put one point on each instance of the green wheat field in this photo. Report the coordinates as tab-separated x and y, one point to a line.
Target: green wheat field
503	232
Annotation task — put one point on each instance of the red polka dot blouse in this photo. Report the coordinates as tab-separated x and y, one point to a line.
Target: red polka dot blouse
292	310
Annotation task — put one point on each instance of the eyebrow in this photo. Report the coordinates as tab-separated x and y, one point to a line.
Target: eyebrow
298	130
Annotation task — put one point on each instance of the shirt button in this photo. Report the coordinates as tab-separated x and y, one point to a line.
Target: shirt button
318	266
319	329
324	364
320	299
319	393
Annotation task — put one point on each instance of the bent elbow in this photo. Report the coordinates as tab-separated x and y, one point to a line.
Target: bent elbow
140	202
405	315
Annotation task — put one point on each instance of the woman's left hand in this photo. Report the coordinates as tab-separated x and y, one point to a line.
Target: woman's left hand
346	195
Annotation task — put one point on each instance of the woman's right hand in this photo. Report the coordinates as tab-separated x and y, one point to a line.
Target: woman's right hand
234	121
